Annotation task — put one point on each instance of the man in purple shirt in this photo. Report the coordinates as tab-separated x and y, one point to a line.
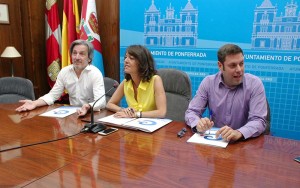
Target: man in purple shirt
236	100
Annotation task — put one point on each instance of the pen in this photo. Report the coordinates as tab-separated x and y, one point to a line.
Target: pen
210	118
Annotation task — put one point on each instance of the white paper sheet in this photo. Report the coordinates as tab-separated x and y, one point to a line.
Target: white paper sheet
61	112
209	138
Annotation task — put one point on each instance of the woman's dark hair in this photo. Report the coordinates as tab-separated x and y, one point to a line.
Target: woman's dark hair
146	64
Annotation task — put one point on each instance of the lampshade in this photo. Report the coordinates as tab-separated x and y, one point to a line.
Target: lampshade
10	52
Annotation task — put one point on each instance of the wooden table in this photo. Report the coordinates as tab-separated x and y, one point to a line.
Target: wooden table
134	159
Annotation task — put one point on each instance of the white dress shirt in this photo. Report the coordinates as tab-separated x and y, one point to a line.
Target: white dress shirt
86	89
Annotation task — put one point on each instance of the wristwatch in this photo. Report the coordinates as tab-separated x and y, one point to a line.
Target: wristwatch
195	130
138	114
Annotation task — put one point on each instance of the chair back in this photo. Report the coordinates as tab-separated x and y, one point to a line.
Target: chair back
177	85
13	89
268	119
108	84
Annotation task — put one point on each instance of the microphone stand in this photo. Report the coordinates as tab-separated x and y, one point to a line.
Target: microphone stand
92	126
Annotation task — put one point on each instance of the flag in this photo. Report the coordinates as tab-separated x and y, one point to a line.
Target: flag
70	29
89	31
53	41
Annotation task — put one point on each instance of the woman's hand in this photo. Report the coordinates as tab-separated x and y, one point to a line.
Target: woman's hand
126	113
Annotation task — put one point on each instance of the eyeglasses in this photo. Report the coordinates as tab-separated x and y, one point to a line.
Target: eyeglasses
181	133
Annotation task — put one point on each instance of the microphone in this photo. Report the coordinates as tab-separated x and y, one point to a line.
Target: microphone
92	126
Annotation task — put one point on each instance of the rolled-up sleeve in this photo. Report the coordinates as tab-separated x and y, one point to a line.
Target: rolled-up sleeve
197	105
56	91
258	110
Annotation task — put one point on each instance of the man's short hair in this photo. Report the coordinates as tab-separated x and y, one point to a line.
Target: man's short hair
228	49
87	44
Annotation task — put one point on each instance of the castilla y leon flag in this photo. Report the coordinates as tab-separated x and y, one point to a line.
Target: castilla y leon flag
89	31
70	29
53	41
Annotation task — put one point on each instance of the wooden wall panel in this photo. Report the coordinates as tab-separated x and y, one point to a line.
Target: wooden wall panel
110	32
33	29
26	32
11	35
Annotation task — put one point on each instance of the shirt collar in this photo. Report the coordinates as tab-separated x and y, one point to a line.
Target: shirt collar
221	81
220	78
88	67
143	85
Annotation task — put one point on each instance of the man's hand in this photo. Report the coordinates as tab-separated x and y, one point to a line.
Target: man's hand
83	110
28	105
229	134
204	124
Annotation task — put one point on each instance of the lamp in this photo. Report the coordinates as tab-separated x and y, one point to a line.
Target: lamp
11	52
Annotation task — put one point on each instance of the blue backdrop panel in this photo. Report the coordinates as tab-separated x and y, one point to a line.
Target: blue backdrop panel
186	35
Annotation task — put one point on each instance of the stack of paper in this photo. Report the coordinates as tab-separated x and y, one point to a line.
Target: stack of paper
143	124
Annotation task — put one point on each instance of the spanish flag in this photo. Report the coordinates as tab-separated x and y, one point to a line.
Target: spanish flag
70	29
